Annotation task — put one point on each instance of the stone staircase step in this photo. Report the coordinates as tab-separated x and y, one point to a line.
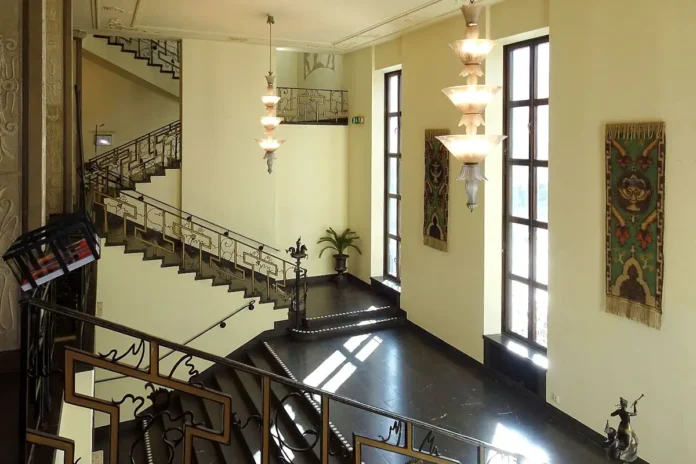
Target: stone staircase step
251	432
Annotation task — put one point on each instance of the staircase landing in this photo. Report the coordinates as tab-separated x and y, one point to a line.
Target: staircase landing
402	371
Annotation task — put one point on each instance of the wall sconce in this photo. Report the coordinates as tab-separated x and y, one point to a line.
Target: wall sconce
103	140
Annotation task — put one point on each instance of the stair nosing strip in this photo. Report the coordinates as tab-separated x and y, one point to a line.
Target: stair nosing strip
362	311
332	329
308	397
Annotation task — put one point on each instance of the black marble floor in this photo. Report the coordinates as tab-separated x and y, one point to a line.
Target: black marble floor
401	371
327	298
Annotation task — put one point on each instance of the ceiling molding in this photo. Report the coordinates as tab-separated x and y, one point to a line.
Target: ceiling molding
387	21
402	32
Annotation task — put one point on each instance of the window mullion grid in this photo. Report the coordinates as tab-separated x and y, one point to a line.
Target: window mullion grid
532	193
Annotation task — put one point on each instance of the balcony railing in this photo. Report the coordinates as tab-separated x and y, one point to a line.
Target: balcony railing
313	106
183	374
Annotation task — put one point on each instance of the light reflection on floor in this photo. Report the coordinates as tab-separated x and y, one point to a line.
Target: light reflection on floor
514	442
318	377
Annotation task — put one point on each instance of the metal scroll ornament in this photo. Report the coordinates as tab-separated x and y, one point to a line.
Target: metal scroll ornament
622	444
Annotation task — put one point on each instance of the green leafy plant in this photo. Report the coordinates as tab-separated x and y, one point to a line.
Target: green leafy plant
337	242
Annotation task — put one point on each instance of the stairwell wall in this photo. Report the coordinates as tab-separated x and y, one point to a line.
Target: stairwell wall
127	105
224	175
160	301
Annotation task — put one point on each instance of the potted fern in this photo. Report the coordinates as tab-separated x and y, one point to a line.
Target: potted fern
340	243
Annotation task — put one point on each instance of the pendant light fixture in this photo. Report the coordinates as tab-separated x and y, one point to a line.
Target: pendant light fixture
471	99
270	121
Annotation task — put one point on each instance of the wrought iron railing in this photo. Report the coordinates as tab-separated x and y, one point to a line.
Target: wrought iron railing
166	54
312	106
194	244
143	156
162	382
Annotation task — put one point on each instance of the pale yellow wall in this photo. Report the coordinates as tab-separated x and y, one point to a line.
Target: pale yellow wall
442	292
388	54
166	189
513	17
224	178
311	189
76	423
359	67
624	60
127	105
160	301
127	62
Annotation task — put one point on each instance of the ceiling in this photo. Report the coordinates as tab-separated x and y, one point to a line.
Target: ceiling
322	25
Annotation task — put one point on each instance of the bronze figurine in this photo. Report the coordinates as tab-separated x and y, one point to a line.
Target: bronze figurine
622	444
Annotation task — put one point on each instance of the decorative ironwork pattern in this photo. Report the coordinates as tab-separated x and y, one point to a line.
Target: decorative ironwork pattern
195	244
142	157
163	388
313	106
166	54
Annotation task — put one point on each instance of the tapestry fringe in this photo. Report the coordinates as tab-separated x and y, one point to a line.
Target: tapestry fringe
634	311
640	130
435	243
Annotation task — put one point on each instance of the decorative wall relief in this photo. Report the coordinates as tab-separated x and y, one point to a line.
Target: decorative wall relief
54	106
436	198
635	190
10	165
314	61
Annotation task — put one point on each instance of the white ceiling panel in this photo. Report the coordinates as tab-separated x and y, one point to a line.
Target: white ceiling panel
337	25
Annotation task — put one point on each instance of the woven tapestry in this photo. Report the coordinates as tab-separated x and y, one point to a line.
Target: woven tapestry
435	220
635	183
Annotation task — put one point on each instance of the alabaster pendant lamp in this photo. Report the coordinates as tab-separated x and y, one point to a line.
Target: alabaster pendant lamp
471	99
270	121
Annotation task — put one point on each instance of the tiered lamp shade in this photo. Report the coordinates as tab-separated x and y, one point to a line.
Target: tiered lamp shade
270	121
470	149
471	99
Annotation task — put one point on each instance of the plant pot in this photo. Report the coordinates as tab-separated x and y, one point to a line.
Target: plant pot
340	265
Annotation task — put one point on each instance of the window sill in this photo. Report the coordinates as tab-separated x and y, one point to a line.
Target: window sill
387	282
388	289
515	346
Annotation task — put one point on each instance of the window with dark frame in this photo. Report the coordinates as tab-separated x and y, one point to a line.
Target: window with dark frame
392	173
525	223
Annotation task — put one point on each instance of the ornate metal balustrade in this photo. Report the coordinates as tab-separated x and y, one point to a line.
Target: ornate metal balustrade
144	156
194	244
313	106
165	382
166	54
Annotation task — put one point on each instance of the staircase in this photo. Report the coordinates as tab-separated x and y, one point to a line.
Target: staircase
246	408
164	54
159	231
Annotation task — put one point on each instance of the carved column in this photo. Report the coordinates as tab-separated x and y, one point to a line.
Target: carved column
34	120
10	163
55	118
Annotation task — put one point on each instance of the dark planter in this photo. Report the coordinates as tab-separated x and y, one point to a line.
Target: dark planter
341	266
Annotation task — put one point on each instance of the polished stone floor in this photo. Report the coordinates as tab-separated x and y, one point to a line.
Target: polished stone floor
327	298
401	371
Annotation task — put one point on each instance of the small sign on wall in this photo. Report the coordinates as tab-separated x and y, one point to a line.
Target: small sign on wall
358	120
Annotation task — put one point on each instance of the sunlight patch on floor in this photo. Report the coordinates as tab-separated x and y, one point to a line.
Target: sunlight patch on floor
514	442
325	369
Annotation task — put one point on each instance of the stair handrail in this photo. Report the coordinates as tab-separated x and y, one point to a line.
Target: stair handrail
96	161
189	353
127	187
222	323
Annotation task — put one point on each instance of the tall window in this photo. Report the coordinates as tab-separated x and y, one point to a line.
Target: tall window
392	172
526	227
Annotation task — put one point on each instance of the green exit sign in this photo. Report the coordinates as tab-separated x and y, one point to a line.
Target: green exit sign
358	120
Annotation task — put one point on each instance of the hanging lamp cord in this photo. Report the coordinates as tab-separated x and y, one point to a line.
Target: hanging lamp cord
270	22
